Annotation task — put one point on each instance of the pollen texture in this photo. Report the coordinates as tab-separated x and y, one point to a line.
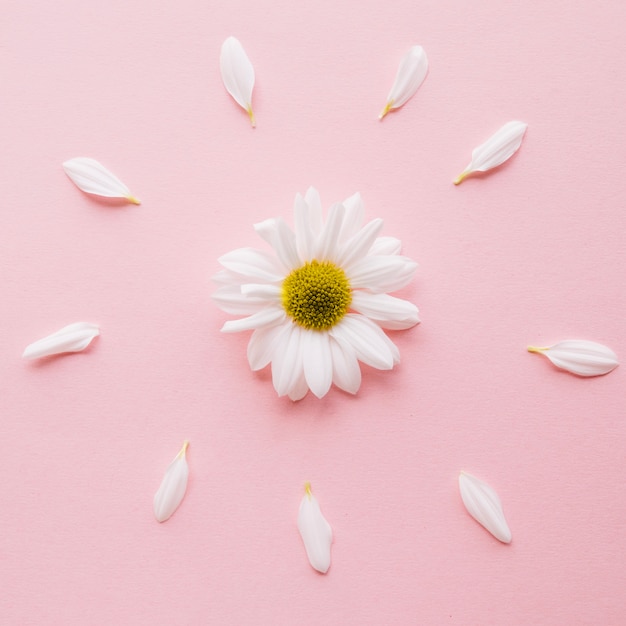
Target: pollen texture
317	295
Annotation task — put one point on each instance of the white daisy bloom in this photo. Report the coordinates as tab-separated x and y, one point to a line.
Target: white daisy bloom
318	305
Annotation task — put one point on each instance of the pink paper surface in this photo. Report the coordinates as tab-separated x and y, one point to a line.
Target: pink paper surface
530	254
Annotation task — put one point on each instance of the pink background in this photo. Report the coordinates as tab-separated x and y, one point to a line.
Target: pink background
532	253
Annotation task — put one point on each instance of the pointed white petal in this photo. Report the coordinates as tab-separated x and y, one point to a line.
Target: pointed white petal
312	198
299	388
265	293
262	345
315	531
496	150
317	361
231	300
354	216
346	370
385	246
255	265
269	316
72	338
381	274
305	239
326	248
173	486
579	356
287	360
387	311
282	239
359	244
368	341
92	177
483	504
238	74
411	74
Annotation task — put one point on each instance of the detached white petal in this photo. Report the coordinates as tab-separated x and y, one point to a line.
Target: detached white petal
483	504
315	531
496	150
72	338
92	177
238	74
411	74
578	356
173	486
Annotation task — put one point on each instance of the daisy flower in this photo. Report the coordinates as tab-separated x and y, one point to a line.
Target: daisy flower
318	305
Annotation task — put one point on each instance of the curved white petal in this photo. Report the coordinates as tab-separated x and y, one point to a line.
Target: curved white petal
354	216
299	388
411	74
496	150
231	300
579	356
255	265
237	74
326	247
173	486
262	345
305	239
72	338
263	292
381	274
385	246
317	361
312	198
368	341
359	244
316	533
387	311
276	232
287	360
484	505
346	370
269	316
92	177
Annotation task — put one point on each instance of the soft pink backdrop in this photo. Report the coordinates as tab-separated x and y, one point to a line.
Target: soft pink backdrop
533	253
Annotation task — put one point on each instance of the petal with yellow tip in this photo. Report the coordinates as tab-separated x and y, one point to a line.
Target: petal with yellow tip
315	531
173	486
238	74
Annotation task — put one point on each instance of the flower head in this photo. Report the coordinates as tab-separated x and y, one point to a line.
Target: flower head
318	306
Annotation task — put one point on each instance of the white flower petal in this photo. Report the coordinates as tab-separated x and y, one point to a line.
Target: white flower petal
238	74
173	486
282	239
92	177
269	316
287	360
579	356
381	274
387	311
483	504
385	246
305	239
262	345
72	338
369	342
411	74
354	216
346	370
496	150
231	300
265	293
317	361
315	531
299	388
326	247
359	244
312	198
253	264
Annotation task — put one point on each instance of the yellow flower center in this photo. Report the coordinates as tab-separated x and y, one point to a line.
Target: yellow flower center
316	295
